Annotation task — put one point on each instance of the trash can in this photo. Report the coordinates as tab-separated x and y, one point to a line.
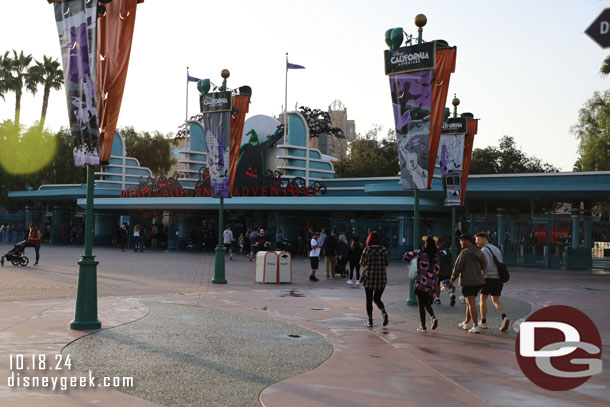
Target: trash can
284	267
266	267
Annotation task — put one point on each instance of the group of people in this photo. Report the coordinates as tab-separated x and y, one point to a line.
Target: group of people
476	269
12	233
338	255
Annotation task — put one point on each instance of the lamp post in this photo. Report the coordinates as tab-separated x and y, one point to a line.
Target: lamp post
453	249
420	22
85	316
219	262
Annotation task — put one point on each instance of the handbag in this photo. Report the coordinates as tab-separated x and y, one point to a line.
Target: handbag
413	268
502	269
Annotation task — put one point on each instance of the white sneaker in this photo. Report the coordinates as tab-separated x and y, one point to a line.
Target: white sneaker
350	282
422	329
475	330
505	324
357	283
463	325
483	325
462	299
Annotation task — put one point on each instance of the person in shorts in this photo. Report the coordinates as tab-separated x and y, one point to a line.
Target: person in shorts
314	256
493	285
470	269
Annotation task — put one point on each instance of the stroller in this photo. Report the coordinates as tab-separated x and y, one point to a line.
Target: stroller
15	255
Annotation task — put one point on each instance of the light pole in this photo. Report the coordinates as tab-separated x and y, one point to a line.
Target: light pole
453	249
219	262
85	316
420	22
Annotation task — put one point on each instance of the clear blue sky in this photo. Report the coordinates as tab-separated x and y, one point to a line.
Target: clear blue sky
524	67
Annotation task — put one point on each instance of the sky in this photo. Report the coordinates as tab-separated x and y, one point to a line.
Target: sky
524	68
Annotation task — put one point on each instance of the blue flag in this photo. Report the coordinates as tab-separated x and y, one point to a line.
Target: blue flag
192	78
293	66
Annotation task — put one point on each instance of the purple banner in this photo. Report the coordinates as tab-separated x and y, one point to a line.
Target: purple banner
77	29
216	108
411	101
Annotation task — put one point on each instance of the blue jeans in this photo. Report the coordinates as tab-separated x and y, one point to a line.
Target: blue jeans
37	248
5	236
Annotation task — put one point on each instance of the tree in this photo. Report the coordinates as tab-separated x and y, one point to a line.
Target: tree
369	157
16	76
593	133
506	159
151	150
49	74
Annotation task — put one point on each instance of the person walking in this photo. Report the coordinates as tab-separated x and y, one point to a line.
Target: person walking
353	256
329	248
428	269
34	240
314	256
342	255
137	238
253	243
470	269
124	235
4	228
445	261
374	260
227	241
492	285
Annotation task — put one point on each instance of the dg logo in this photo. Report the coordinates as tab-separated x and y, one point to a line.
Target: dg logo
559	348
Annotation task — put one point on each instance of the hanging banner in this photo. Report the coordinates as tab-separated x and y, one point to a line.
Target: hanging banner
216	109
450	157
445	66
77	29
242	104
114	34
411	102
472	126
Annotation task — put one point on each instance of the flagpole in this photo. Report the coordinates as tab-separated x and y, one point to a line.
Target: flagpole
286	103
186	114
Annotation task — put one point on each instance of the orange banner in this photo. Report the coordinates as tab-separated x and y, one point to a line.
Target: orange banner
472	127
445	66
114	35
242	104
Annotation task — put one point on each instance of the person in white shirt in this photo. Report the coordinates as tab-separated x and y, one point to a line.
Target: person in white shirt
314	256
227	241
492	285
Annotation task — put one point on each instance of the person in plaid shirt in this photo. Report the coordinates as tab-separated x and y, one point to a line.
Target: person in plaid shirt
374	260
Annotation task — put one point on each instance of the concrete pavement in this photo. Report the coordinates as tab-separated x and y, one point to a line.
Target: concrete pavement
381	366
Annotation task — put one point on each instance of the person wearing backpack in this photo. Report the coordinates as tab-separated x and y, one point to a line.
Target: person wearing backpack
445	262
493	283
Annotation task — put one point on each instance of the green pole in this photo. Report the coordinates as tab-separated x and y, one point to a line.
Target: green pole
85	316
453	248
411	300
219	263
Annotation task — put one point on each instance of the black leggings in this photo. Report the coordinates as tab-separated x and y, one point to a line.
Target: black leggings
423	303
373	296
353	265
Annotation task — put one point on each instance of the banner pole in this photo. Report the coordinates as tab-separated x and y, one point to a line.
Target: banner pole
411	300
186	111
286	102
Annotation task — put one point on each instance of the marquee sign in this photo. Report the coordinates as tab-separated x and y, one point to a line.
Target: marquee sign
273	185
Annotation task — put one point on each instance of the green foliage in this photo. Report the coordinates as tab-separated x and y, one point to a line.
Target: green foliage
152	150
507	158
369	157
593	134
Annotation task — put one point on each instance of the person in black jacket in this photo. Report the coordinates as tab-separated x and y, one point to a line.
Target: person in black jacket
342	254
354	254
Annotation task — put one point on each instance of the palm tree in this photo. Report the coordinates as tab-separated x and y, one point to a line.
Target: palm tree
49	74
605	69
18	77
5	74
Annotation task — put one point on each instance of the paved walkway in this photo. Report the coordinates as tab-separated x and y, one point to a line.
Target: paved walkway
381	366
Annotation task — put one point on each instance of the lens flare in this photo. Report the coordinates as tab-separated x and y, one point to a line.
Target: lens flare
25	152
